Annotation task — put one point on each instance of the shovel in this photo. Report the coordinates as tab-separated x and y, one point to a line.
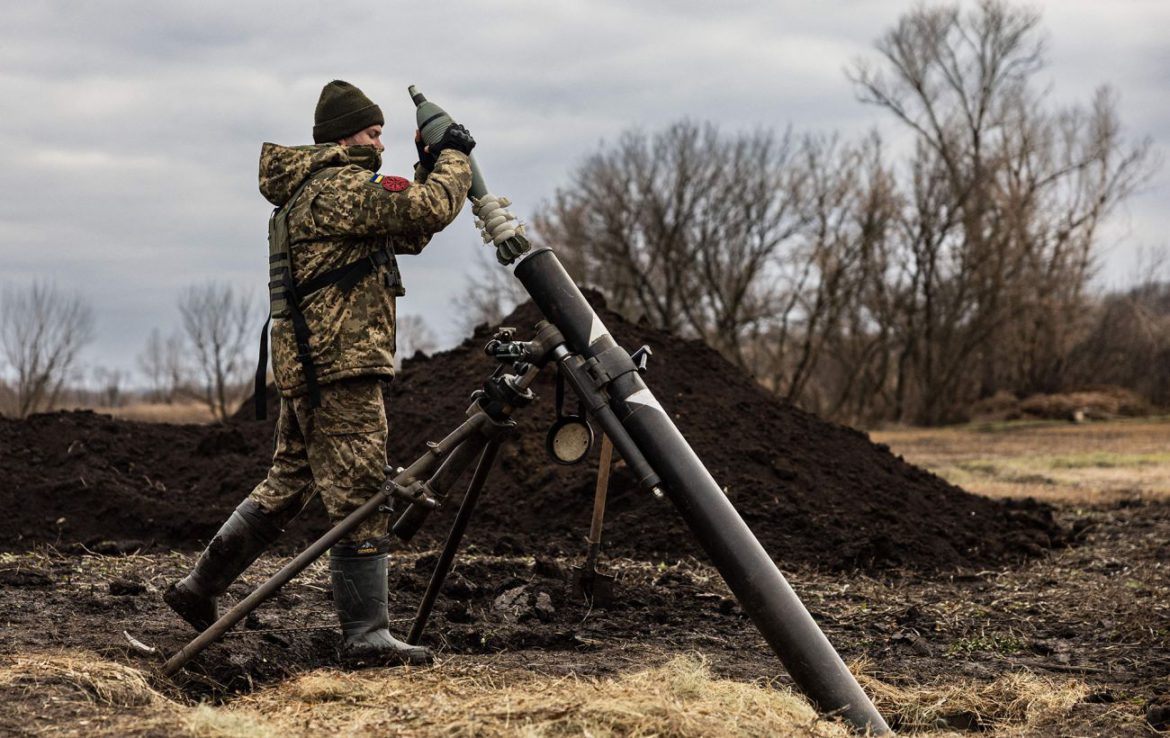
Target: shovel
596	587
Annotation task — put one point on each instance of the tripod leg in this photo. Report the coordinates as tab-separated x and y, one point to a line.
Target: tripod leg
447	557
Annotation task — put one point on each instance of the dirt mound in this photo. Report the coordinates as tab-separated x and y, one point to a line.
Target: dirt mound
85	478
815	493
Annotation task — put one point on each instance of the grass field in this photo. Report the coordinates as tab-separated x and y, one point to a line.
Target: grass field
158	412
1053	461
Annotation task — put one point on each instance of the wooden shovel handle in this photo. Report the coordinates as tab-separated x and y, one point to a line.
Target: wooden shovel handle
602	489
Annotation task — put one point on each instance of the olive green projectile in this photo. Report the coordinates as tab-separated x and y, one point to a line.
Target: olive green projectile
432	122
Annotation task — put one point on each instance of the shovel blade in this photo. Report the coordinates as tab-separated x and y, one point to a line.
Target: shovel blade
594	586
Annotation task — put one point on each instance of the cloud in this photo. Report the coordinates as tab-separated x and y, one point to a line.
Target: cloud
130	130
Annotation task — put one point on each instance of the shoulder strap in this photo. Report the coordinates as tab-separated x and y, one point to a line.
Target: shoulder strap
282	290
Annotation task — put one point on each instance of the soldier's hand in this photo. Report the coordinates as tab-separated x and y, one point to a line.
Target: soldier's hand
456	137
425	157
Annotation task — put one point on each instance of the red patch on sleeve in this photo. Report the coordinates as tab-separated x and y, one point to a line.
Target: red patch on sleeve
395	184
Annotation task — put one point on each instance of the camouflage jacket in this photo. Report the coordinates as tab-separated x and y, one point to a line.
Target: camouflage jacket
341	217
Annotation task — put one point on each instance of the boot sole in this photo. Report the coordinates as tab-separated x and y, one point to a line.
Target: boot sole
379	659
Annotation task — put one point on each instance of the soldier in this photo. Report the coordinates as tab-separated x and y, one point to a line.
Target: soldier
333	241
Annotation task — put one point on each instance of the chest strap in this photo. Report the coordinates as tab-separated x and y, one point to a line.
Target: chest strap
348	275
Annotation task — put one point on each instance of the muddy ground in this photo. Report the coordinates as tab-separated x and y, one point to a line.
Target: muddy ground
1096	611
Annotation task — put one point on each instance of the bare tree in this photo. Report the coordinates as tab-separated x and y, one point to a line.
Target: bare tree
412	335
772	249
1128	344
840	258
843	363
42	332
489	293
1004	200
109	383
855	287
682	228
162	363
218	323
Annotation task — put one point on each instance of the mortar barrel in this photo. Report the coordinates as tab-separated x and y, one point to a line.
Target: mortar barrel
750	573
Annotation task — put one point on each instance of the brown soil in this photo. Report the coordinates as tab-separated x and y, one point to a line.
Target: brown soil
815	493
1093	612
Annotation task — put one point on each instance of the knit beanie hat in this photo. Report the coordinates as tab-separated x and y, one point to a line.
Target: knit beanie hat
343	110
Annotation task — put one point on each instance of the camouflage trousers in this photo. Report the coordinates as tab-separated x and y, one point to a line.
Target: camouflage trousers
337	450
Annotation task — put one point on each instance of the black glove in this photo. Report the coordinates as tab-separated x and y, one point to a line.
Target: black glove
455	137
425	158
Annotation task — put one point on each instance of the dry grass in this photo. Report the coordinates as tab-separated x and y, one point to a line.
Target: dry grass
1012	705
679	698
473	697
90	677
148	412
1060	462
72	693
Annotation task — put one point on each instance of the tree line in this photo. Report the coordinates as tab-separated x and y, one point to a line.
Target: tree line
867	285
43	330
209	359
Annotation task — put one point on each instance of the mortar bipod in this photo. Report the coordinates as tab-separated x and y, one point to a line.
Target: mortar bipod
547	345
454	538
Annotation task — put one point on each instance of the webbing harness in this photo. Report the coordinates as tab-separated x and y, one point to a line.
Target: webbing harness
285	295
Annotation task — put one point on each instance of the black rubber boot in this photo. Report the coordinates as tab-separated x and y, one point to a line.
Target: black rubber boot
239	542
359	594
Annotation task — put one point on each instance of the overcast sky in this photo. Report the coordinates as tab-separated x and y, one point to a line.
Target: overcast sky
129	131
